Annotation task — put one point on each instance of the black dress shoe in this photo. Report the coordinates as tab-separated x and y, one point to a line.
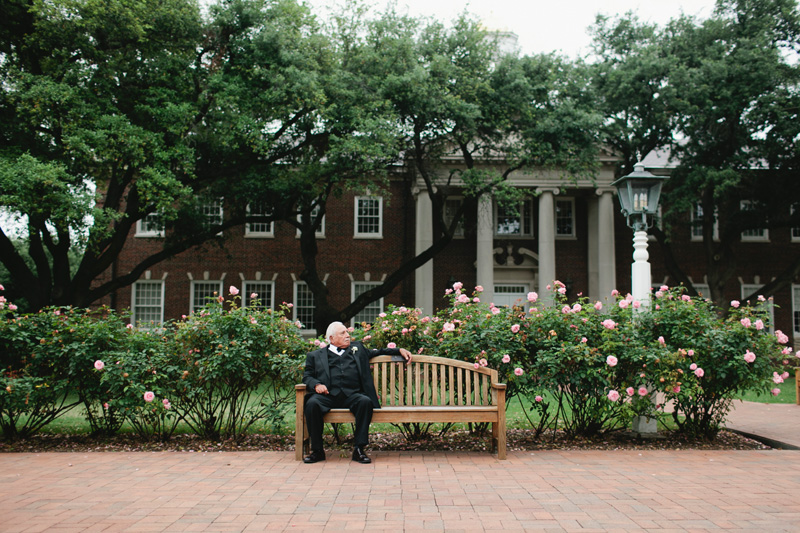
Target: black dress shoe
314	457
360	457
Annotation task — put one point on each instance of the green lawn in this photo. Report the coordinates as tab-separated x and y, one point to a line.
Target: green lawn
787	394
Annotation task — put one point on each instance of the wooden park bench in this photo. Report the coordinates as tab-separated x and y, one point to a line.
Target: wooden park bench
429	389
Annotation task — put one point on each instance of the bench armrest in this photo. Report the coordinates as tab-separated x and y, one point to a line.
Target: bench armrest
498	386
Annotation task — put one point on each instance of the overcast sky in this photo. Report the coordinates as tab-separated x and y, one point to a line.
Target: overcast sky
546	25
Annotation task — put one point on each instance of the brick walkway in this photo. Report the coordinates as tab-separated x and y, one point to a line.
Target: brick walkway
532	491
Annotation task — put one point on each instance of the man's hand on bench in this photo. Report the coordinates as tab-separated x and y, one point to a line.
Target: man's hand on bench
406	355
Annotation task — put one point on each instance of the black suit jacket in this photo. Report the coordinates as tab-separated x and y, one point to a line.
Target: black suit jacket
317	370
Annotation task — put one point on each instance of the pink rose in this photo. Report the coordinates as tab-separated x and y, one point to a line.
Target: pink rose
611	360
775	391
785	375
615	293
495	310
642	391
253	295
476	300
690	352
149	396
745	322
515	328
506	358
532	297
631	391
613	395
699	372
661	341
12	307
777	377
676	389
538	399
129	326
609	324
477	365
749	356
562	290
457	285
598	306
782	337
518	371
693	366
391	345
735	304
686	298
566	309
166	403
99	365
759	324
463	298
584	340
636	304
233	290
623	304
478	288
663	288
484	362
576	308
449	326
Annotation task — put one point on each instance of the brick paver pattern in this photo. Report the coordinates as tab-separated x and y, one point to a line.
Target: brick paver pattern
532	491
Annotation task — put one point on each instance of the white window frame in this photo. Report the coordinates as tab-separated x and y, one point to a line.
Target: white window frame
750	288
450	204
134	290
796	310
704	289
697	217
357	215
794	232
320	233
267	300
376	306
143	228
763	237
207	208
525	289
297	307
571	202
193	305
525	205
249	232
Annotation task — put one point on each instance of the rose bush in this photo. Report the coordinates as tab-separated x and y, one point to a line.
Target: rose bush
238	365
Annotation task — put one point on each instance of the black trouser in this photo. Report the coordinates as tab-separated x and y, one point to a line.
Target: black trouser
319	404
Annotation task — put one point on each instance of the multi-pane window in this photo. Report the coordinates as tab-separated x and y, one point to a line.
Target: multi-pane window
202	292
258	229
304	305
451	207
258	294
514	221
565	218
796	309
756	234
369	216
372	310
748	289
314	214
152	225
697	224
147	303
211	209
703	290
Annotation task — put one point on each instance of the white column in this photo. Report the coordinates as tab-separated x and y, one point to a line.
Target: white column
423	276
607	265
547	242
485	245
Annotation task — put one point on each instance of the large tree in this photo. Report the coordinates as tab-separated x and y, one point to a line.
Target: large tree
721	96
113	110
455	96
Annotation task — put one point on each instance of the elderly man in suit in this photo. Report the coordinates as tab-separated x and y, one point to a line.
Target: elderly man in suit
338	376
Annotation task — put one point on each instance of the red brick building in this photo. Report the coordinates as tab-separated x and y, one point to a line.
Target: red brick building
571	231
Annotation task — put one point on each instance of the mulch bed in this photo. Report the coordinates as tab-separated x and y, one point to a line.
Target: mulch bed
458	441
